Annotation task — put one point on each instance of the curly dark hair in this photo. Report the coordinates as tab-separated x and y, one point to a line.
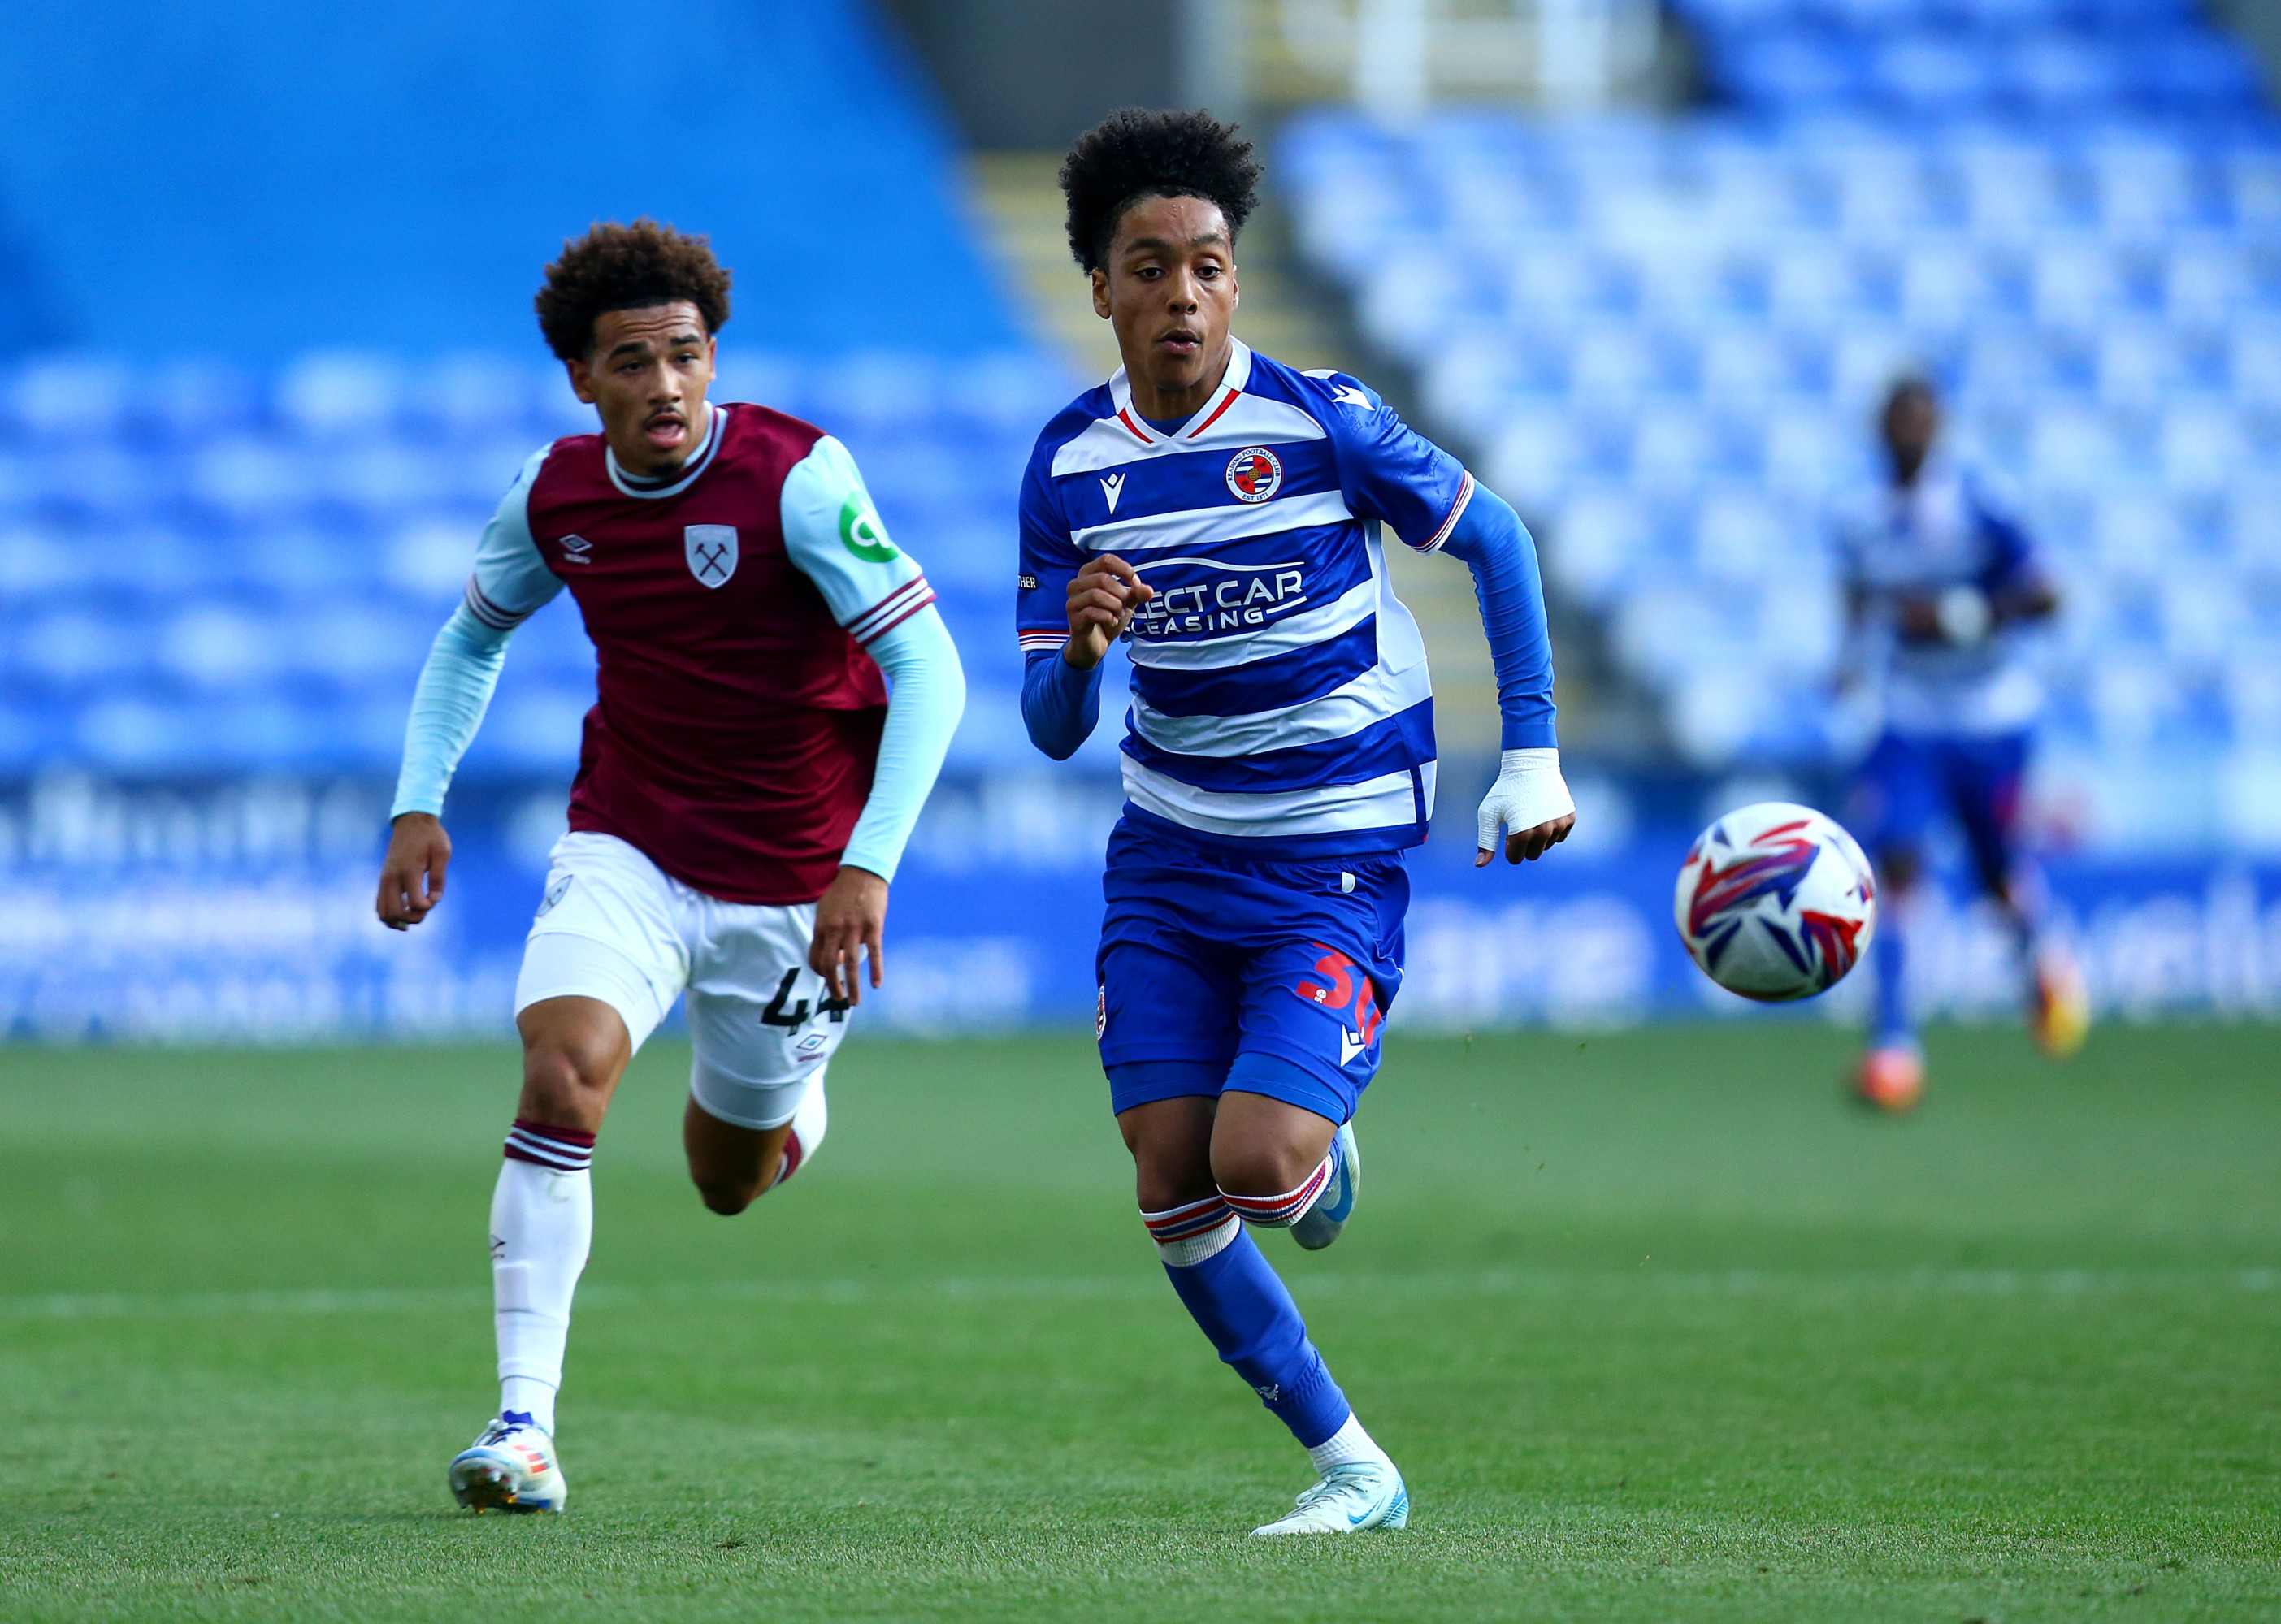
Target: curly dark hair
1133	153
627	268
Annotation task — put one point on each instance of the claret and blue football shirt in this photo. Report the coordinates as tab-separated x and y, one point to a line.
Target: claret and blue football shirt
1280	689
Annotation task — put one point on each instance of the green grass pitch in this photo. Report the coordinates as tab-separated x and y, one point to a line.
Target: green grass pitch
1656	1327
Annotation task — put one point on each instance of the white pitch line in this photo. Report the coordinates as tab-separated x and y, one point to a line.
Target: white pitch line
2044	1283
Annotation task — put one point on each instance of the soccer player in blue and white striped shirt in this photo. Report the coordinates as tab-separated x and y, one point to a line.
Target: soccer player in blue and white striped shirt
1225	512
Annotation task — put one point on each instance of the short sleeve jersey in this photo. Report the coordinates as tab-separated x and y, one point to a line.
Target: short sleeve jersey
737	719
1282	705
1946	529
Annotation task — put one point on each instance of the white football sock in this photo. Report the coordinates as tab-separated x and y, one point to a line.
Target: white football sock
1194	1232
807	1125
542	1225
1349	1443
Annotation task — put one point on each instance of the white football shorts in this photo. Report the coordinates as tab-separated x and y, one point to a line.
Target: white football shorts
613	926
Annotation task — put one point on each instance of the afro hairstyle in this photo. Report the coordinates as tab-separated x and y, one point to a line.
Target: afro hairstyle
627	268
1133	154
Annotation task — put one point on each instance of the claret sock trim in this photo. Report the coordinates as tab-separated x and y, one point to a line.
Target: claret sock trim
566	1150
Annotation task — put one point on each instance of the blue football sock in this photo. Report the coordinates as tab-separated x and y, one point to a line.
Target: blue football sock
1241	1302
1890	951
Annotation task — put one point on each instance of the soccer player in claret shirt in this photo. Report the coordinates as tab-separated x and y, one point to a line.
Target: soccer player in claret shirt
744	792
1940	583
1225	512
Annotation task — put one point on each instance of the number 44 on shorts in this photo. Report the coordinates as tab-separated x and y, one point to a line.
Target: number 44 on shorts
795	1016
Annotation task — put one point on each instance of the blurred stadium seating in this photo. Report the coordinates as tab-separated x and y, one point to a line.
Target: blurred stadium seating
223	566
1666	338
257	397
203	568
244	454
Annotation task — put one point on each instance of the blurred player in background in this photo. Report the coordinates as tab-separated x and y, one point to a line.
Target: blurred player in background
744	792
1224	511
1938	582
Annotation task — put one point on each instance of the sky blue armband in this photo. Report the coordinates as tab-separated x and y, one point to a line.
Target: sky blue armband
927	697
1060	704
455	689
1498	549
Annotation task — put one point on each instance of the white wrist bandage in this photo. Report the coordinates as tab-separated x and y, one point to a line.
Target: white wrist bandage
1528	791
1966	615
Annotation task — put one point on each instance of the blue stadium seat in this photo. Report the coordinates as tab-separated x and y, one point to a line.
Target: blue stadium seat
2061	73
2011	16
1799	69
1932	73
2190	70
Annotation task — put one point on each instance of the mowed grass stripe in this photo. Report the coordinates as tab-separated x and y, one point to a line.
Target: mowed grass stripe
1088	1288
1657	1327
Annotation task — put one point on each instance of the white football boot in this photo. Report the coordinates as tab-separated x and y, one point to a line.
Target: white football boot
1320	1225
1361	1494
511	1468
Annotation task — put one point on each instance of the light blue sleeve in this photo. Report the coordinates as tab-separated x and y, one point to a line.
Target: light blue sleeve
834	537
928	696
509	584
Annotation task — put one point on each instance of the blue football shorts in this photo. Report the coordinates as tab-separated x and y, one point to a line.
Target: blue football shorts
1908	781
1268	977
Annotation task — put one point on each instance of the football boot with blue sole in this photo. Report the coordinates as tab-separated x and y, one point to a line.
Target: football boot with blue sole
1320	1225
512	1467
1360	1495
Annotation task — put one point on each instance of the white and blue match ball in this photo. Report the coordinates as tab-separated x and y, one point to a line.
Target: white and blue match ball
1775	901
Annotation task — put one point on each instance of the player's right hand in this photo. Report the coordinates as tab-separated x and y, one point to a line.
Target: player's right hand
412	874
1102	598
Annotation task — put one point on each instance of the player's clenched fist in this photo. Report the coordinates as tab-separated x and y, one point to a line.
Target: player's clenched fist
1101	598
412	874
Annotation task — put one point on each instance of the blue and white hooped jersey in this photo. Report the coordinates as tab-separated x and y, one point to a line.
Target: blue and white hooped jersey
1945	531
1280	689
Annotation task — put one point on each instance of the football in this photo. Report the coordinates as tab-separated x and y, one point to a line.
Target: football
1775	901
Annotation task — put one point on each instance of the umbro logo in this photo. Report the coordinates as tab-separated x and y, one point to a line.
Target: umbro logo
1112	486
576	550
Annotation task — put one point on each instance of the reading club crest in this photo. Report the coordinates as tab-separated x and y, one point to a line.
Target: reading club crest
711	549
1254	474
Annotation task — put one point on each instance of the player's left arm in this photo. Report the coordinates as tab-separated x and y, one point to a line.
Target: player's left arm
2016	586
1530	801
834	537
1389	472
2008	589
